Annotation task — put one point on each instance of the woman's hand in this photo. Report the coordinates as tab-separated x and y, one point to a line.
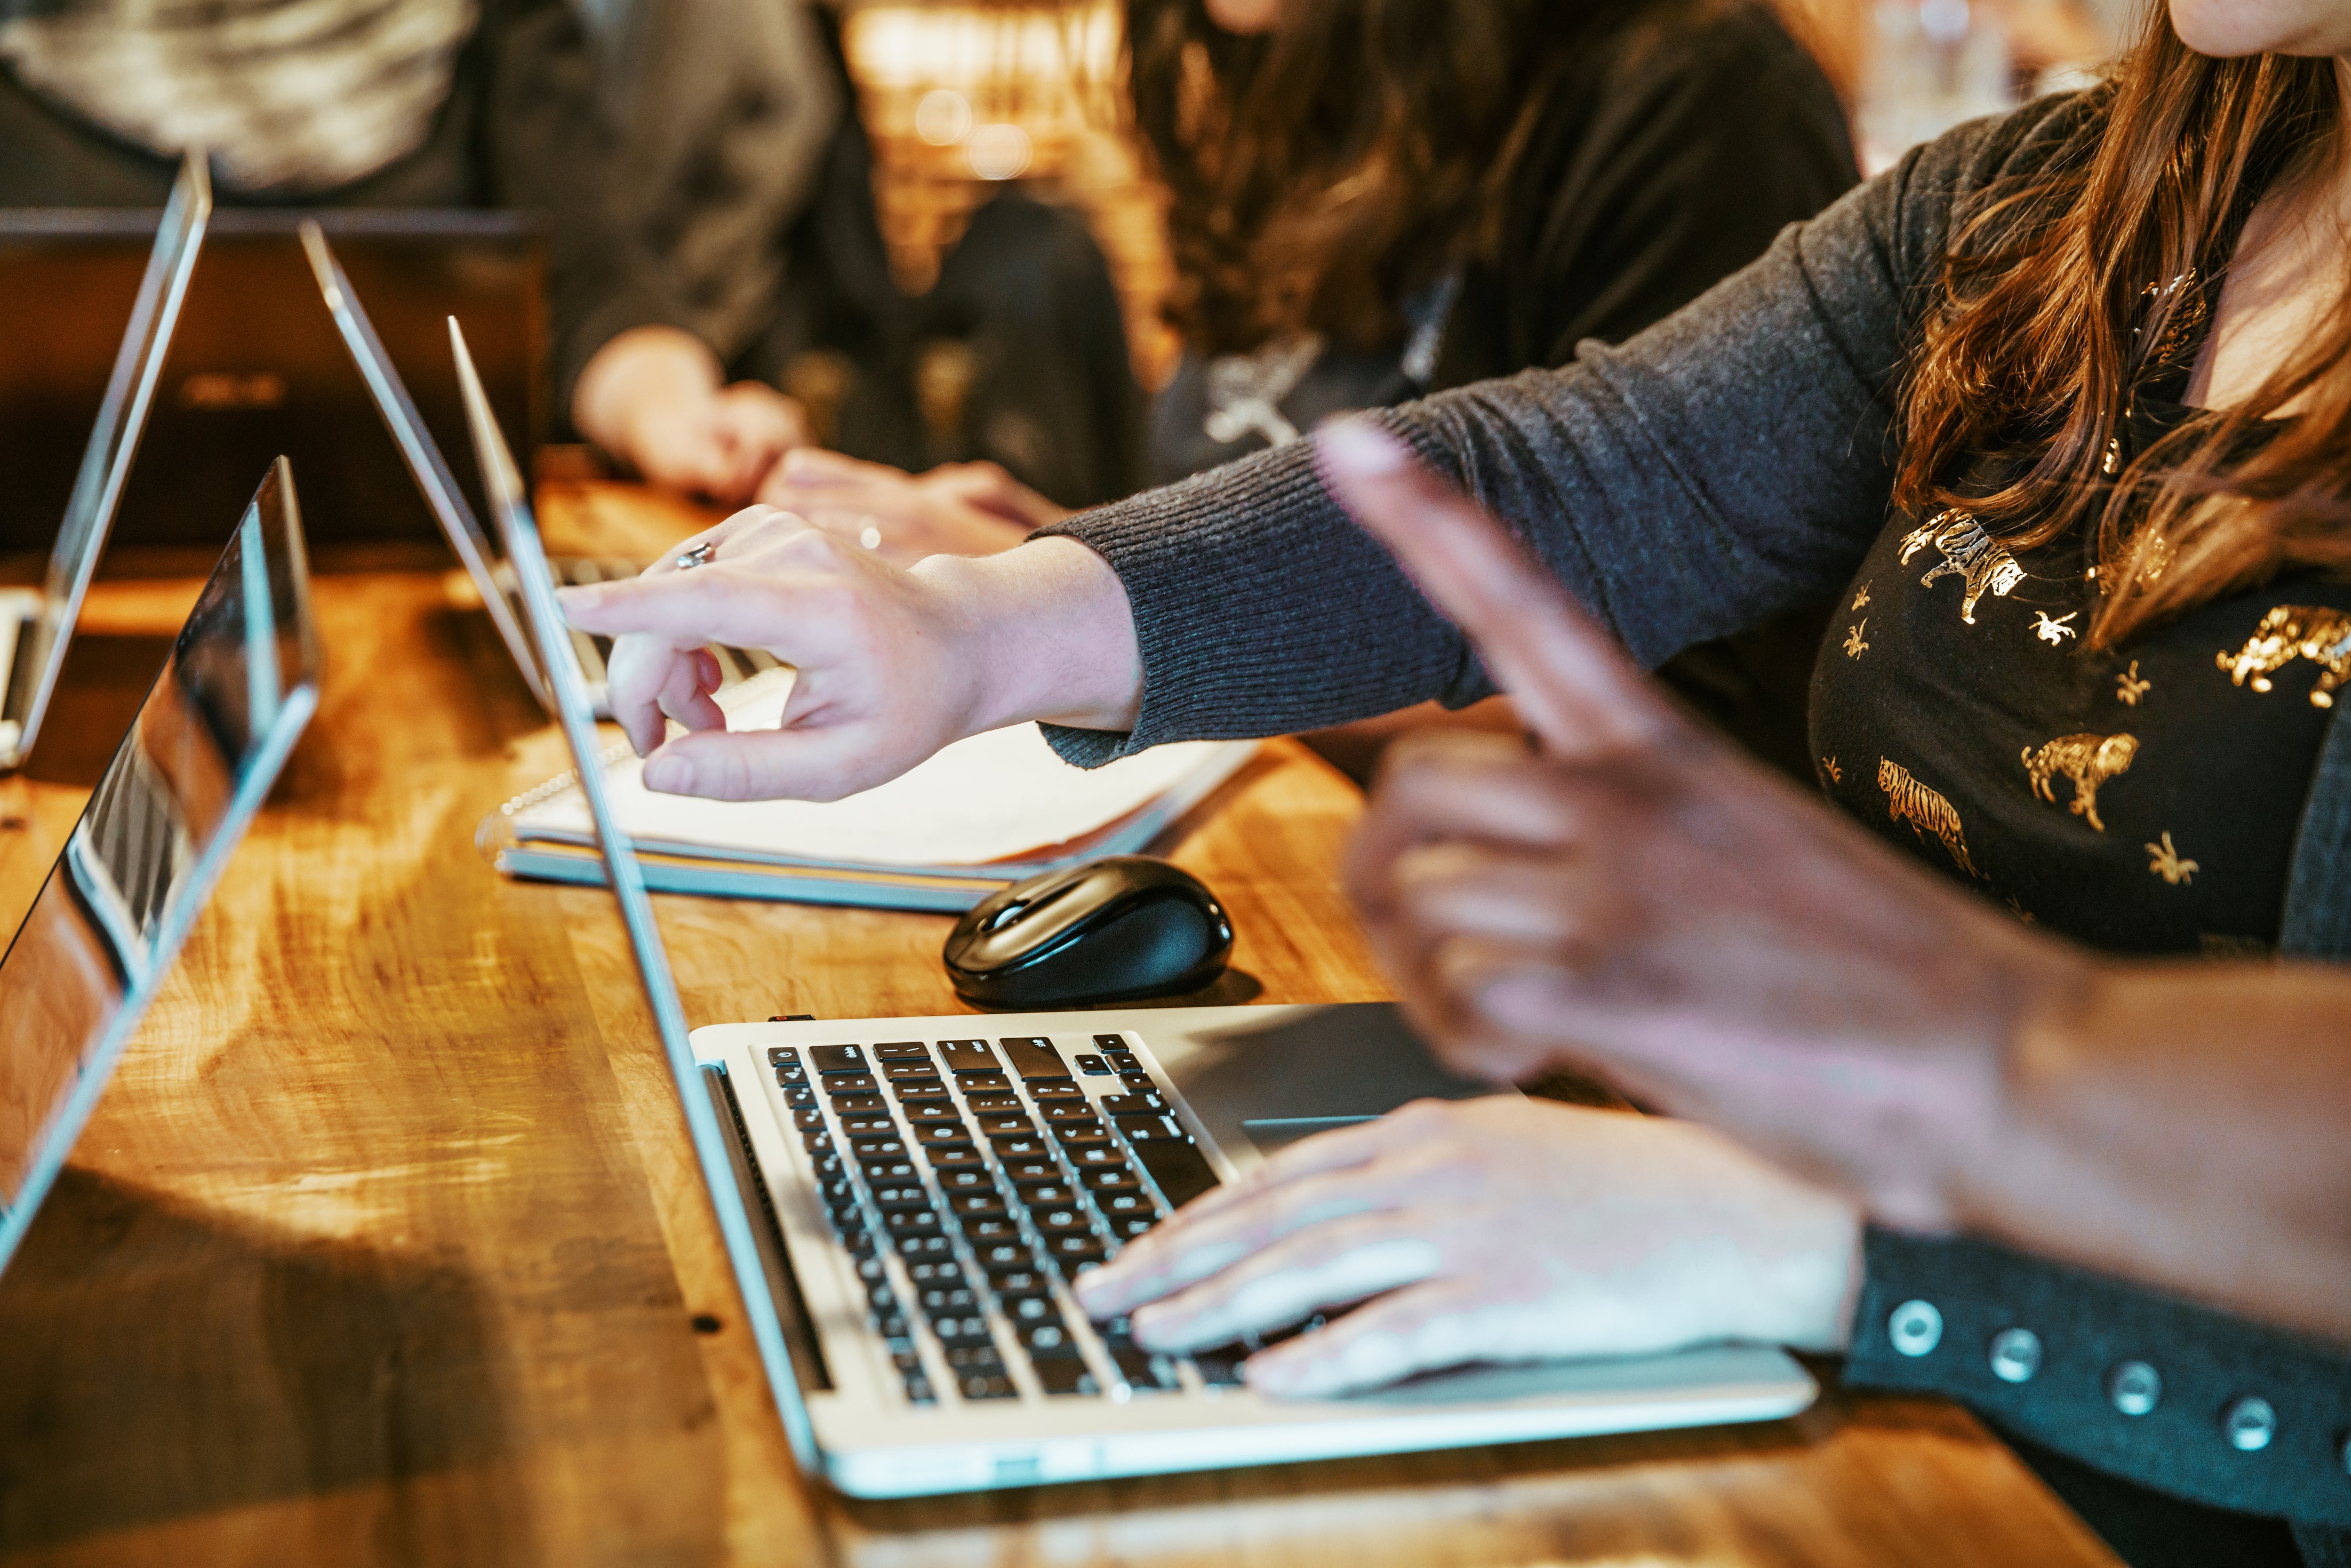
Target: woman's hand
653	397
963	508
1500	1229
892	664
1640	898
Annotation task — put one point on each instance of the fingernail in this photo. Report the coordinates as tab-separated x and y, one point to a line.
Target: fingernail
1360	447
669	775
576	599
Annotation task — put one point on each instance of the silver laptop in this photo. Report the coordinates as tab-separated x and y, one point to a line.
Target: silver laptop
241	683
36	624
493	578
906	1200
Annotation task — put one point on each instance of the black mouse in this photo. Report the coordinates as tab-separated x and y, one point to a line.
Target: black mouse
1110	930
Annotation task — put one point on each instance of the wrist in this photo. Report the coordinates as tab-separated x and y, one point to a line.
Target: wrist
1042	635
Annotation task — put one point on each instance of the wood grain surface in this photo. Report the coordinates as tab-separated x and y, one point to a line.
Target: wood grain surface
386	1245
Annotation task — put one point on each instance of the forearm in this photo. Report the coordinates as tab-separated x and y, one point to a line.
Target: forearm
2187	1127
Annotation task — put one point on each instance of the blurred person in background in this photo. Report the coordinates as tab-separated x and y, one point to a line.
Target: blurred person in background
1371	202
668	144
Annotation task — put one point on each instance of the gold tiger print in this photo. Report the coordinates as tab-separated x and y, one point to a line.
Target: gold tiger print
2293	632
1968	554
2089	760
1907	800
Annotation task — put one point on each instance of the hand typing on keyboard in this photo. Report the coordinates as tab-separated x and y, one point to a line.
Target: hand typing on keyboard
1500	1230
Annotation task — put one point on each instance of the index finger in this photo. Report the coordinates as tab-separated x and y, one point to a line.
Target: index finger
1577	690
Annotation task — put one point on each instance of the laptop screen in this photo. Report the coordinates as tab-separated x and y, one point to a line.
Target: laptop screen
106	459
240	684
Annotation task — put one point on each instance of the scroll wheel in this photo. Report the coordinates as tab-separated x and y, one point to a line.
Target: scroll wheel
1004	916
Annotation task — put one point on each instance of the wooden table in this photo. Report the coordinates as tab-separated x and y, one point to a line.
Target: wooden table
386	1245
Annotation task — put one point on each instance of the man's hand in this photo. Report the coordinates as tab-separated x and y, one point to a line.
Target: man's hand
1639	898
651	397
1502	1230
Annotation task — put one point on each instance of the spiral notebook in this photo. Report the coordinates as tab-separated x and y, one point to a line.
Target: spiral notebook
986	811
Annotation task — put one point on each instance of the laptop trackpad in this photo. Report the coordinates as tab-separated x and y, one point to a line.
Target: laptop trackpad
1264	1086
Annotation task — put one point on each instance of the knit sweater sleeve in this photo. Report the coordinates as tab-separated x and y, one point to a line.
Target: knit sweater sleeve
1730	462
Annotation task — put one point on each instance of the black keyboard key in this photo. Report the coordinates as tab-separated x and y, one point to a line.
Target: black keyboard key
875	1124
903	1051
1154	1127
888	1196
809	1121
994	1105
1002	1124
878	1171
1055	1089
1110	1042
1144	1373
1009	1283
953	1157
847	1083
1030	1307
934	1112
907	1222
1145	1104
1020	1147
1048	1340
908	1072
928	1249
1036	1193
1061	1222
837	1057
877	1148
966	1329
817	1143
1182	1171
1123	1060
921	1092
1126	1228
1103	1156
1006	1257
1120	1177
878	1298
1076	1133
987	1204
829	1165
934	1272
783	1056
1069	1251
1057	1111
987	1386
966	1179
1033	1168
1221	1368
991	1227
951	1299
928	1132
1032	1056
919	1390
968	1056
869	1271
1138	1083
836	1188
800	1096
1093	1066
990	1081
1065	1375
1120	1204
860	1104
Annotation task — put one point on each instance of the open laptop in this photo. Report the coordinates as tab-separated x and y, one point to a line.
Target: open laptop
492	579
36	624
241	683
256	369
905	1201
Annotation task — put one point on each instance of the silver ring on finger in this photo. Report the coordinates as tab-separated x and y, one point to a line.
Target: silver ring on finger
700	555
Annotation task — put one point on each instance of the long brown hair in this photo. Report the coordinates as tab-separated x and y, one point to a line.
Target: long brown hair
1319	174
2032	346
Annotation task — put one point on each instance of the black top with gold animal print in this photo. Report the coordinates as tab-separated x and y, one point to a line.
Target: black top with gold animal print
2142	799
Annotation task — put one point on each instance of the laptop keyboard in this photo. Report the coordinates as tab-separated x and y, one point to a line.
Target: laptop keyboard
970	1181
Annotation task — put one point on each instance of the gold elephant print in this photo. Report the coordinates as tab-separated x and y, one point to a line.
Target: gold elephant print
2293	632
1927	811
2089	760
1968	554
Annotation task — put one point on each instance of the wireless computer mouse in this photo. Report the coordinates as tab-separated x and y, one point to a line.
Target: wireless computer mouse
1110	930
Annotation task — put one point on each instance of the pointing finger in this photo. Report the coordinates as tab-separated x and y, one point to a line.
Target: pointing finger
1576	688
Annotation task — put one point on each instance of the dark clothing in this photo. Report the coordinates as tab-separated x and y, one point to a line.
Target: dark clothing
1731	461
545	115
